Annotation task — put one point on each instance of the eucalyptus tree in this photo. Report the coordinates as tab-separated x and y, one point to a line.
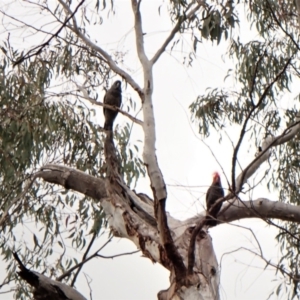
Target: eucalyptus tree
62	172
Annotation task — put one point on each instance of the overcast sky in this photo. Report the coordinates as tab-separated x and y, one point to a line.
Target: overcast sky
186	162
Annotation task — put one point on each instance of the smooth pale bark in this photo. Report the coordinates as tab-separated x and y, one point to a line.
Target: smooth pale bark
235	210
127	223
146	225
133	217
158	185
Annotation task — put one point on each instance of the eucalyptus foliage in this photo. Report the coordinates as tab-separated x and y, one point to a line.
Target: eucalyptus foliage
44	118
266	76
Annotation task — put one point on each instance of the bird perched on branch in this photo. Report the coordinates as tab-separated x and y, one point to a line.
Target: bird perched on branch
214	193
112	97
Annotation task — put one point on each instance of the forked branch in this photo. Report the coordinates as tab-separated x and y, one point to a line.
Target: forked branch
102	52
248	117
268	143
187	15
149	154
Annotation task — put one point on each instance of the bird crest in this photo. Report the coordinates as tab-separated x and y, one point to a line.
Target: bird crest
216	176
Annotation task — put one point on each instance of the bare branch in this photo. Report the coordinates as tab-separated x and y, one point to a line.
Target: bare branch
262	206
91	100
74	179
79	265
105	55
149	154
139	37
41	47
268	143
96	254
83	258
243	131
183	18
118	255
119	207
6	214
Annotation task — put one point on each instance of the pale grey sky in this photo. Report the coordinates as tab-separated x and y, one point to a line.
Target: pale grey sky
184	160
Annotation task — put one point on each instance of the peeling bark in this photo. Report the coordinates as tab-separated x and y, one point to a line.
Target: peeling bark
183	247
75	180
268	143
149	153
126	222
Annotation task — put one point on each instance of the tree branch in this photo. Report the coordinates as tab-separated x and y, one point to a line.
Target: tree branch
117	204
118	255
268	143
74	179
149	154
83	258
44	287
266	208
260	208
106	56
41	47
183	18
91	100
139	37
243	131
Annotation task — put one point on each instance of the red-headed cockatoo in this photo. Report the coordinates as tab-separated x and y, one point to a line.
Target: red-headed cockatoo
214	193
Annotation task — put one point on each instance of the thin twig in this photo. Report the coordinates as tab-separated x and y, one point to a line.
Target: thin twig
84	258
281	27
67	273
91	100
105	55
183	18
41	47
268	262
6	292
243	131
118	255
5	214
90	288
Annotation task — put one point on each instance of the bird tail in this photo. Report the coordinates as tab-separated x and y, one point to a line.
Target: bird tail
211	221
108	126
